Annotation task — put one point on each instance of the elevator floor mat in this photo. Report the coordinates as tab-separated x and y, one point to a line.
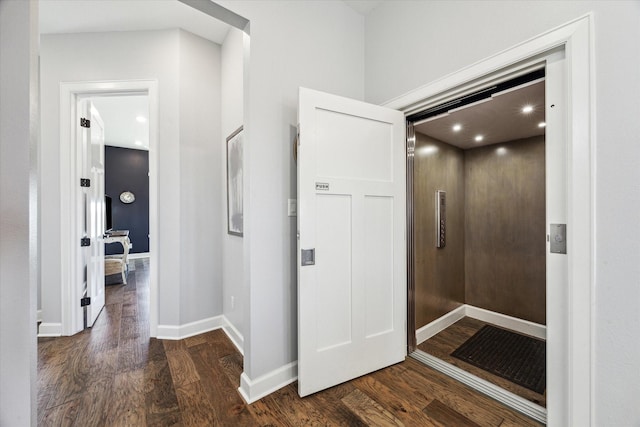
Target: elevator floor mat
517	358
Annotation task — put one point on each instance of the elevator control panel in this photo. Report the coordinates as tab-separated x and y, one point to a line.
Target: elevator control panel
441	218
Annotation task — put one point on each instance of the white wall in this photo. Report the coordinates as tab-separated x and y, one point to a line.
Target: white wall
232	118
410	44
18	138
200	183
187	71
315	44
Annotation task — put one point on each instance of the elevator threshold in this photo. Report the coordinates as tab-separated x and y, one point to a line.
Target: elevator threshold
436	352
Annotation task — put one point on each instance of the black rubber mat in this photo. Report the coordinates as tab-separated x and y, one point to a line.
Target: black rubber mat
517	358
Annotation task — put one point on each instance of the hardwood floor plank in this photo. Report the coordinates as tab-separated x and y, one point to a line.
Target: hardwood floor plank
397	405
330	402
94	402
229	408
133	354
170	345
161	402
299	411
130	309
232	367
183	371
126	405
414	397
195	340
59	416
370	411
194	406
447	416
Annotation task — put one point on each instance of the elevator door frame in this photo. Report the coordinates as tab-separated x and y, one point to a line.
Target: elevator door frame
570	394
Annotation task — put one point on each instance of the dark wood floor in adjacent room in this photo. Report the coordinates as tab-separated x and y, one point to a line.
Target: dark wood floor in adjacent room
115	375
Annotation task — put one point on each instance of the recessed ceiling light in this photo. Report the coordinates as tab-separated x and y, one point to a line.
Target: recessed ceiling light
479	138
527	109
141	119
541	124
457	127
138	142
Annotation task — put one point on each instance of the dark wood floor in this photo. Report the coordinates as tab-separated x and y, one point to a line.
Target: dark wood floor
115	375
444	343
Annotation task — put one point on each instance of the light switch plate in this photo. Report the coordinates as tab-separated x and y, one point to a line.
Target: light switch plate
292	207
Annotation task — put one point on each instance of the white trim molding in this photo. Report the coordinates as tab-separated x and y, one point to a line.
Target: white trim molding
570	330
254	390
518	325
513	323
440	324
49	330
71	314
139	255
179	332
234	335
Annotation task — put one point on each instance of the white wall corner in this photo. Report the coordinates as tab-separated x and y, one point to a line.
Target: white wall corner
254	390
39	316
234	335
179	332
50	330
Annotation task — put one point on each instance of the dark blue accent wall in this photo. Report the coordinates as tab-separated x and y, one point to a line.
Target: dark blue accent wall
128	170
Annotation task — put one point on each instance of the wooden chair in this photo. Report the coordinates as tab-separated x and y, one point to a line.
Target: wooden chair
118	263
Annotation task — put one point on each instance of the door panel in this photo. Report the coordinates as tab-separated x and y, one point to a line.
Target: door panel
91	204
97	218
351	210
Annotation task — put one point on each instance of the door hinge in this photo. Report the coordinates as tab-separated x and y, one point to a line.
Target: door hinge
85	241
85	301
85	123
85	182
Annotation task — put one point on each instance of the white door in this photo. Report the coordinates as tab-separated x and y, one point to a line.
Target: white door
92	209
352	244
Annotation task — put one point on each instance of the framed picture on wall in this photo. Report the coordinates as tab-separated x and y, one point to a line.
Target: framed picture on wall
234	183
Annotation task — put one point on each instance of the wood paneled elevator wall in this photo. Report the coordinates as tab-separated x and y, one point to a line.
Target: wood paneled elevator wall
495	252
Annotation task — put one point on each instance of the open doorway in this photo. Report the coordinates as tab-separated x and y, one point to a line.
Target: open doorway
479	212
126	189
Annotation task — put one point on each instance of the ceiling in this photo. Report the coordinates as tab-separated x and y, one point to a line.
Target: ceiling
363	7
497	119
126	120
90	16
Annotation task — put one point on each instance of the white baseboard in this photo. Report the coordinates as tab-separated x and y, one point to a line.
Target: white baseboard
498	319
171	332
518	325
234	335
440	324
50	330
254	390
139	255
